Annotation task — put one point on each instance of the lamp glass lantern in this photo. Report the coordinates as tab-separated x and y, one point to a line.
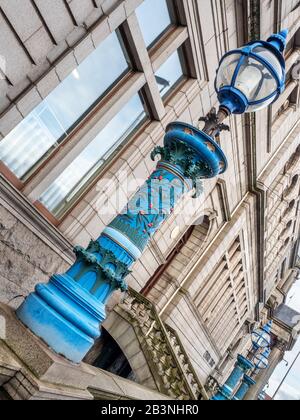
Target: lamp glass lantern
261	361
261	338
252	77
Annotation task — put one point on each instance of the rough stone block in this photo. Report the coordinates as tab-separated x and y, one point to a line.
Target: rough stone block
48	83
66	66
42	362
81	9
117	17
29	102
9	120
84	49
56	17
101	31
17	63
26	22
39	45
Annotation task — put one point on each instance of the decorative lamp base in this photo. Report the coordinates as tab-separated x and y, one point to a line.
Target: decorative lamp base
64	315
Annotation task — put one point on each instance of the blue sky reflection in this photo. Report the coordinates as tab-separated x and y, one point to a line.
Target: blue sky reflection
169	74
154	18
90	160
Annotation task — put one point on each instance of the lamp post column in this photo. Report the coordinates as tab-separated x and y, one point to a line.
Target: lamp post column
68	311
242	366
244	388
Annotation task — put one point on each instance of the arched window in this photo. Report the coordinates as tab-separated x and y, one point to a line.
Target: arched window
193	240
162	269
286	229
292	187
287	241
111	358
293	161
289	209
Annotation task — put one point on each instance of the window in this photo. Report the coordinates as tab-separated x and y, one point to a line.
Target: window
163	268
170	73
293	44
50	122
154	17
289	98
85	166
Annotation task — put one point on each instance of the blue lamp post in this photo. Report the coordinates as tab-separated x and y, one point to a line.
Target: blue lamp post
68	311
261	362
247	383
242	366
261	338
259	354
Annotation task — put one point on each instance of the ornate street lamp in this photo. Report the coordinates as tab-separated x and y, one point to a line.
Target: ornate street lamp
248	80
68	311
261	338
261	360
255	361
260	354
242	366
252	77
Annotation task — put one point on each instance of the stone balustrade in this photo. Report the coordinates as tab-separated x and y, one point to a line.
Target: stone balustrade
170	364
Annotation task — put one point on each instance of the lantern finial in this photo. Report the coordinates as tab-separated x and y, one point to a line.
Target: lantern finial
279	40
268	327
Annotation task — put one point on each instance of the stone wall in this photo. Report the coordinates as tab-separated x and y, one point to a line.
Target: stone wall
28	255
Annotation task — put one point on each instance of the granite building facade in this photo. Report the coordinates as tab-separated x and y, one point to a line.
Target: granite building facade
87	89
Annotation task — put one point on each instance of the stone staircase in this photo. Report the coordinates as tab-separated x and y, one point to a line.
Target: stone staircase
169	363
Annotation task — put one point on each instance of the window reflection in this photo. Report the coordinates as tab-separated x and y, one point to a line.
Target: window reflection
49	123
70	182
170	74
154	18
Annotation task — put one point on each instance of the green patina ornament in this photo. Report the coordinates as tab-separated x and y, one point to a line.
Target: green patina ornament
114	275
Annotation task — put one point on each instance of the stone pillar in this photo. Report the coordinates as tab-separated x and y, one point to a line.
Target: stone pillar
226	391
244	388
68	311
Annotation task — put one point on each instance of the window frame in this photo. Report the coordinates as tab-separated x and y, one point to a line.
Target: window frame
274	117
186	73
82	120
178	20
91	181
175	22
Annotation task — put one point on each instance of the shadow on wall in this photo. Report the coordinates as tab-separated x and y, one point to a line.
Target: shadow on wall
107	355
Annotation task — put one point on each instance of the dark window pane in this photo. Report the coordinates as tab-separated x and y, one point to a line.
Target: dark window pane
93	156
50	121
154	18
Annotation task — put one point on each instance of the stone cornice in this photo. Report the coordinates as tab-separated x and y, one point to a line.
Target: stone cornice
12	200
